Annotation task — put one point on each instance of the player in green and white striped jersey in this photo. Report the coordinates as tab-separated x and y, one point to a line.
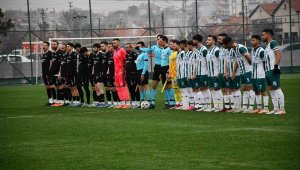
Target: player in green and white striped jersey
203	95
224	83
244	61
213	73
232	73
273	56
258	75
183	75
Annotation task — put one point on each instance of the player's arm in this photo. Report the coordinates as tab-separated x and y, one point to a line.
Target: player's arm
147	50
217	54
244	52
235	68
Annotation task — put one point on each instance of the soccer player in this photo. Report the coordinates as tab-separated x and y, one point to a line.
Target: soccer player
273	56
224	83
132	75
97	73
111	92
172	75
244	62
83	75
72	73
192	78
54	70
120	80
46	62
156	49
203	95
232	74
143	75
213	73
165	55
104	66
258	75
63	75
183	74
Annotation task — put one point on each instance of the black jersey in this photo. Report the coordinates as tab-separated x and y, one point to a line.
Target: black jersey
130	64
97	58
64	65
83	65
104	63
90	64
46	60
110	64
56	58
72	63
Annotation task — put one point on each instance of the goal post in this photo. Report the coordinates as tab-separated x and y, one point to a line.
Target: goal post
89	41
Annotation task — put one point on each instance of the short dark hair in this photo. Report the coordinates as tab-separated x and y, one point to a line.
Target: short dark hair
183	42
128	43
256	37
116	39
164	38
46	42
223	35
190	42
104	42
70	44
77	45
176	42
142	43
159	35
227	40
55	41
198	37
214	37
97	45
110	43
270	31
83	50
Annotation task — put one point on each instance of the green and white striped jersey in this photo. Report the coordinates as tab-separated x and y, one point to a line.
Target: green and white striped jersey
192	63
201	62
213	62
223	57
258	57
270	55
231	62
180	64
244	65
185	65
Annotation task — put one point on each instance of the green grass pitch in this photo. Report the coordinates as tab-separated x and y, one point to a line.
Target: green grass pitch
33	136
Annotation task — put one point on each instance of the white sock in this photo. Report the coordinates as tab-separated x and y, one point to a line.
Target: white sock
232	100
266	101
252	99
280	98
245	99
219	99
196	98
115	103
258	101
238	98
274	99
227	101
200	98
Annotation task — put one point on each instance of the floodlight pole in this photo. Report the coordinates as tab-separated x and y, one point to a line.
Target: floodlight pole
149	15
243	18
30	52
91	23
291	51
197	16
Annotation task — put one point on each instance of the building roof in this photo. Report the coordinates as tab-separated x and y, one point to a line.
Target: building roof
269	8
295	5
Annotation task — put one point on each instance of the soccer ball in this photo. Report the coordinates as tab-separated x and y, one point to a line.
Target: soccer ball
145	105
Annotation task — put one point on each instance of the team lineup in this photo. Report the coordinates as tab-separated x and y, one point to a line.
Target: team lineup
222	76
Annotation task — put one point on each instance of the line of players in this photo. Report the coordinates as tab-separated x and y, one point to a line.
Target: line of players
197	77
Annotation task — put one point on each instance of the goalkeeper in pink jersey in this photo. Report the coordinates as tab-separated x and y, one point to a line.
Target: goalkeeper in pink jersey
120	81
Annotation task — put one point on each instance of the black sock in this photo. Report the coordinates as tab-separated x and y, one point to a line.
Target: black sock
80	91
101	98
69	94
132	92
87	94
108	95
115	96
60	94
49	93
137	94
74	98
53	93
95	97
66	97
78	98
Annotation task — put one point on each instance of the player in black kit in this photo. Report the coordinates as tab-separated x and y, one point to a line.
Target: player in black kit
46	62
132	75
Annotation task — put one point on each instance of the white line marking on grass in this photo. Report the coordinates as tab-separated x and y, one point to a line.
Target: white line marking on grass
247	129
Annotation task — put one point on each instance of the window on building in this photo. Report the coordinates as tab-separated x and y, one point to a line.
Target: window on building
284	6
278	22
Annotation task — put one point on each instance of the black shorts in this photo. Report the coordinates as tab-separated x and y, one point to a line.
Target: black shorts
157	72
164	71
92	80
110	81
72	80
57	82
132	81
47	80
99	78
146	78
82	80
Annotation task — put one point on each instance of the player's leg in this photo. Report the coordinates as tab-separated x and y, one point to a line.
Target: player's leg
278	91
155	81
87	91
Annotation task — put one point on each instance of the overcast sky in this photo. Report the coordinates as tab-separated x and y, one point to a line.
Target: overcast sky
104	6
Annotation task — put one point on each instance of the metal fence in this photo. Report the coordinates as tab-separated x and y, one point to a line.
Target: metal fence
36	22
